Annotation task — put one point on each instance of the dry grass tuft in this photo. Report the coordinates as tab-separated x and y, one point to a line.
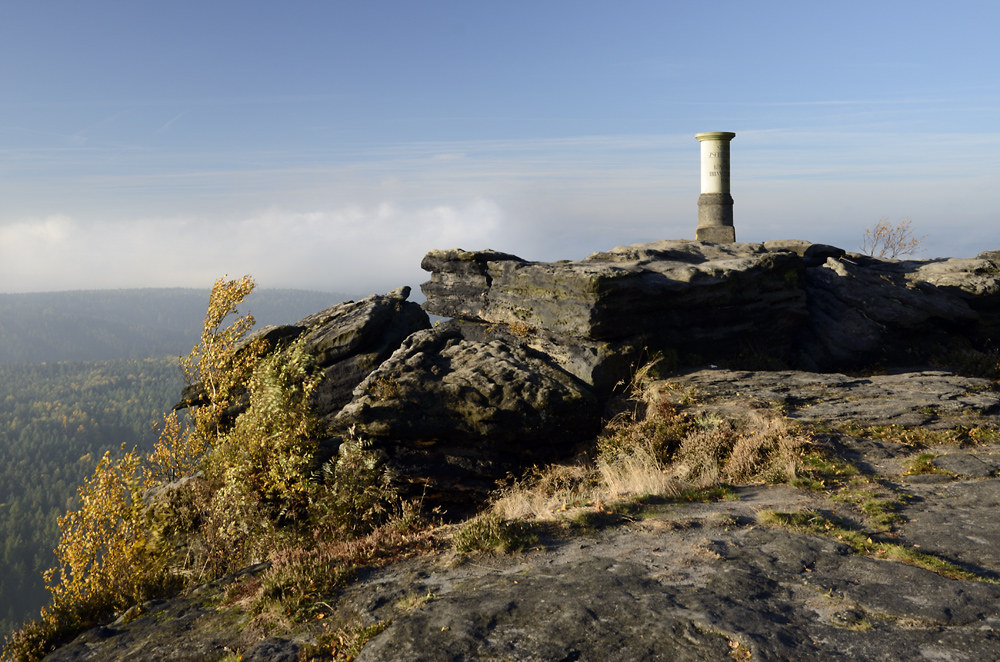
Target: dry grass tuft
543	493
491	532
637	472
761	446
558	491
617	473
656	447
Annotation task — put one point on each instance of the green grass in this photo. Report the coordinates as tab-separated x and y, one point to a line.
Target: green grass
923	464
919	437
708	494
821	471
491	532
861	542
342	643
879	506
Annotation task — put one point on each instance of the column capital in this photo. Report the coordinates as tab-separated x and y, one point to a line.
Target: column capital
715	135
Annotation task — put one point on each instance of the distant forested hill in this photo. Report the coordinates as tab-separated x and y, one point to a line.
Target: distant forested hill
56	421
105	325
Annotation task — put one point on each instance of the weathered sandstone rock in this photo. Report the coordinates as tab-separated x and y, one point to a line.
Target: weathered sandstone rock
811	306
351	339
688	580
693	297
932	398
456	415
864	310
676	287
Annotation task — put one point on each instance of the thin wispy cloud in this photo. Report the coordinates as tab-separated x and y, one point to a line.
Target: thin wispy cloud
166	126
205	101
845	102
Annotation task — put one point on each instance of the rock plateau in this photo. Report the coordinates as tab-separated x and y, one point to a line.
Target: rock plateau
518	375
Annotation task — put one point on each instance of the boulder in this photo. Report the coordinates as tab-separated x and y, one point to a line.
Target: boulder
867	310
351	339
453	415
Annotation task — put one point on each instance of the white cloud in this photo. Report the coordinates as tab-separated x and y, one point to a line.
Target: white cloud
354	249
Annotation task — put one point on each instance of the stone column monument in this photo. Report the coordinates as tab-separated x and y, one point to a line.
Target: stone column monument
715	205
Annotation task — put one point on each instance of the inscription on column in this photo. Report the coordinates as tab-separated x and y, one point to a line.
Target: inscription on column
715	162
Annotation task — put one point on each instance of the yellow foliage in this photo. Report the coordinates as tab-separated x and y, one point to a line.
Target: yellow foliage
103	561
256	493
270	446
219	362
177	452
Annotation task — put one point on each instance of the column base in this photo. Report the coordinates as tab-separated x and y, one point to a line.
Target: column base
717	234
715	218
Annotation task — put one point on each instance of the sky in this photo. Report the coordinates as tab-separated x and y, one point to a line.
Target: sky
330	145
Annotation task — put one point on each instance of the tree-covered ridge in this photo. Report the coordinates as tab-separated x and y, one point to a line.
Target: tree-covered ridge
103	325
56	421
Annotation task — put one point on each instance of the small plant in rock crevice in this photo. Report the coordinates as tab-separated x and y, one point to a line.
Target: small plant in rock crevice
823	471
920	437
879	505
924	464
491	532
738	651
343	643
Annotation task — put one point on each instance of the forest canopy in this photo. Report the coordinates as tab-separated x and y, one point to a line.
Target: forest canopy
56	421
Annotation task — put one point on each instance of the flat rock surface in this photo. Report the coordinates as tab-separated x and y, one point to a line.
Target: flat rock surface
690	580
935	398
957	521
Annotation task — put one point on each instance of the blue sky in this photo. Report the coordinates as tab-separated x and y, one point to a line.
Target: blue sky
329	145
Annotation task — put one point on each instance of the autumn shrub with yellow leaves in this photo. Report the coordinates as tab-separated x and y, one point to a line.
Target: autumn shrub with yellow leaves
230	486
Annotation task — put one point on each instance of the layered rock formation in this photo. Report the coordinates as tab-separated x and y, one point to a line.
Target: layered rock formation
351	339
596	316
347	340
519	374
811	306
